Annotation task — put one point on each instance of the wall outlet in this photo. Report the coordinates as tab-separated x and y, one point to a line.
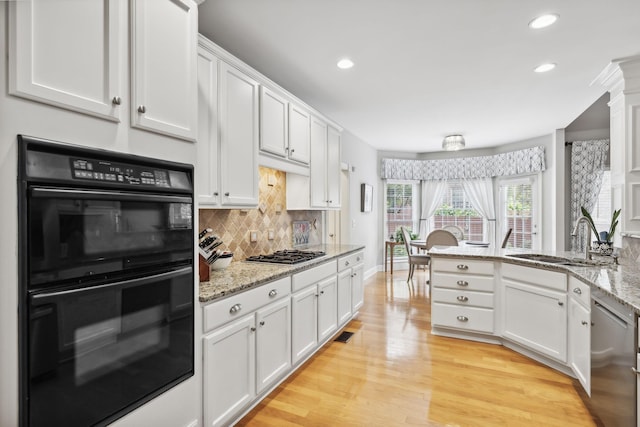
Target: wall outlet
271	234
253	236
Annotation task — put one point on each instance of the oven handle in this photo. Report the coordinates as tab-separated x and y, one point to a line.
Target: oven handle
62	193
44	298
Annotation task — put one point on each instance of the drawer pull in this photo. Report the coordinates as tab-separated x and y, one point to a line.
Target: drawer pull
578	291
262	323
585	323
462	298
235	308
463	318
462	283
560	303
346	263
462	267
273	293
253	329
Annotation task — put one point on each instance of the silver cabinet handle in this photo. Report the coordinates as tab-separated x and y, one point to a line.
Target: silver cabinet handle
462	283
253	329
635	371
462	298
273	293
142	109
585	323
321	292
116	100
215	193
462	267
578	291
226	194
235	308
463	318
346	263
292	150
560	303
262	323
358	259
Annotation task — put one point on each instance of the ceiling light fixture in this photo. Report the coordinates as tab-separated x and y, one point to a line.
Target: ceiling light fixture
544	68
345	63
543	21
453	142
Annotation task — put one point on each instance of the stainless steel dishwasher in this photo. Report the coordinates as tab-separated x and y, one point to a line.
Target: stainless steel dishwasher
613	361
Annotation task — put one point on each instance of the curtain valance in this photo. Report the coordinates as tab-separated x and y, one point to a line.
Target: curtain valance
528	160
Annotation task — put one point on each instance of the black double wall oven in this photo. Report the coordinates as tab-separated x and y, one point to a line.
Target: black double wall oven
106	249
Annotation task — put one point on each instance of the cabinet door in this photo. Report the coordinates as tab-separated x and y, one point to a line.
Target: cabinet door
163	66
273	357
357	287
580	343
299	134
68	54
229	370
318	165
207	185
536	318
327	307
238	137
333	167
344	297
273	122
304	323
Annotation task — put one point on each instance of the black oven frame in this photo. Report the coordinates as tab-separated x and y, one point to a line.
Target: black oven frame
26	143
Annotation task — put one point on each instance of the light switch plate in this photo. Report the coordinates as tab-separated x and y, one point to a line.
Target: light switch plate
253	236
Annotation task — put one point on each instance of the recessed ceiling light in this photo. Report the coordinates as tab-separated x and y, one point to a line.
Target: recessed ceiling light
345	63
543	21
544	68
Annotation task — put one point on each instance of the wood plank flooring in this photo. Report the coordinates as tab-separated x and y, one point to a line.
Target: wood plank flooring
393	372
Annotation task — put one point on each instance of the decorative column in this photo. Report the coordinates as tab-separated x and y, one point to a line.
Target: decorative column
622	79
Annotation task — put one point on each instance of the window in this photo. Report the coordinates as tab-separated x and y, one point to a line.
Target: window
601	213
402	209
517	212
456	209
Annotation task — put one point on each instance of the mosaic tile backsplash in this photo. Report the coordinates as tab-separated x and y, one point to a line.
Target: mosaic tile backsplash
630	249
233	226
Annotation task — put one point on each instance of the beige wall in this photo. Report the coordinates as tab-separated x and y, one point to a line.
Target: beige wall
233	226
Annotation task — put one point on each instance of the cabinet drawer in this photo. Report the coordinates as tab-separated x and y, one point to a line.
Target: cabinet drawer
462	281
469	318
537	276
462	266
350	260
236	306
313	275
580	291
463	298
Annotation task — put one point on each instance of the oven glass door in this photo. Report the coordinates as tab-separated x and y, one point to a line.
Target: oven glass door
76	234
97	352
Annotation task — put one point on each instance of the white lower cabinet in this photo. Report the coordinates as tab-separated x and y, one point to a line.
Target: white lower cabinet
344	297
535	309
304	333
350	268
327	307
580	332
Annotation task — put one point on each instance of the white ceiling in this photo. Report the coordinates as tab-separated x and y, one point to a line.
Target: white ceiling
425	68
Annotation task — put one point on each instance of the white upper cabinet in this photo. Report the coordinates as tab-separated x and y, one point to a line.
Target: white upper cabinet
318	172
238	103
273	122
68	54
163	66
333	167
299	134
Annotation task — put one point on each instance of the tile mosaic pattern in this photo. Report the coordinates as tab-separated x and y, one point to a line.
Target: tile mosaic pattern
233	225
630	249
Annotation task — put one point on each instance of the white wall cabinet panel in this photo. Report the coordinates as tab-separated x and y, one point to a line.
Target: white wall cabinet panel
207	171
273	354
238	103
299	134
68	54
318	171
163	66
536	318
274	135
229	370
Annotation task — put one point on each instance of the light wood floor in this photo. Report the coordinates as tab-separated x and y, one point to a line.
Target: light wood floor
393	372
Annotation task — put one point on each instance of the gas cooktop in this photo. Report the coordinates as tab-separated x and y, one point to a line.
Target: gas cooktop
287	256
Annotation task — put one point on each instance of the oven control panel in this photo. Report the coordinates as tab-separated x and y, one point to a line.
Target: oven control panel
99	170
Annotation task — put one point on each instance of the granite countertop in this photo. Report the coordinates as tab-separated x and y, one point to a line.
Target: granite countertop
240	276
622	282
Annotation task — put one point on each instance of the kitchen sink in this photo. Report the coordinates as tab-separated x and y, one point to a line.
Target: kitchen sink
550	259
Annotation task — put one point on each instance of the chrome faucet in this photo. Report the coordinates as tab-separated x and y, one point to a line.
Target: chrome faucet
587	254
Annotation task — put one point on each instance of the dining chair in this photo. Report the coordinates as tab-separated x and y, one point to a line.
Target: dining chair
455	230
506	238
441	238
414	259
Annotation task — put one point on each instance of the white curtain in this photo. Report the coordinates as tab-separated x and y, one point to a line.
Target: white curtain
588	161
432	192
480	194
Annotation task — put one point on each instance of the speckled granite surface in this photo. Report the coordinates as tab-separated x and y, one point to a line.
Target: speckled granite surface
243	275
622	281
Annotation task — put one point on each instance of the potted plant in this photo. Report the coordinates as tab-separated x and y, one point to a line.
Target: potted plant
399	237
604	242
